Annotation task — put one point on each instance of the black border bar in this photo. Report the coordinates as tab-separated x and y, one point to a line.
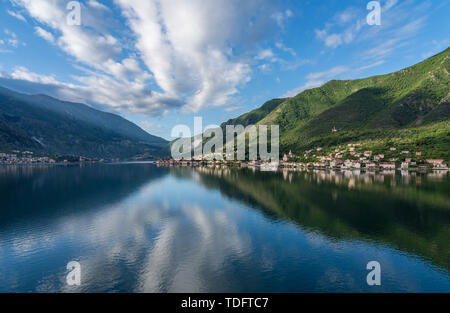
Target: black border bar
176	302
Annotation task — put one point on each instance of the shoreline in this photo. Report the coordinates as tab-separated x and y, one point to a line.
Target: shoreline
270	167
77	163
260	167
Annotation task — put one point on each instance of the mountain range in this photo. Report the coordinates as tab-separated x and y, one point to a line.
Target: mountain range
43	124
409	108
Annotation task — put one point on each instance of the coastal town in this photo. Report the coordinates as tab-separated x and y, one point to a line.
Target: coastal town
17	157
350	157
25	157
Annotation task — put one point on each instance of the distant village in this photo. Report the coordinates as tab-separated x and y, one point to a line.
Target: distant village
354	157
28	157
350	157
25	157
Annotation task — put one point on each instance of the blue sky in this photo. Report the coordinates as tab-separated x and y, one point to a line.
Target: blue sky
161	62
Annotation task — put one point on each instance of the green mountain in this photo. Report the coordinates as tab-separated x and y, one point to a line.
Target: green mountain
408	108
46	125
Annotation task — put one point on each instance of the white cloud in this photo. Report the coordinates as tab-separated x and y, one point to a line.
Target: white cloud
306	86
400	21
183	47
10	33
389	4
436	47
187	46
292	66
12	40
44	34
265	67
17	15
334	40
282	47
317	79
346	16
97	5
117	84
369	66
265	54
397	38
281	17
22	73
151	127
97	88
86	46
342	28
232	108
335	71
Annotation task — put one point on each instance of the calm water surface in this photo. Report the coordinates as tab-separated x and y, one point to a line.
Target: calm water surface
140	228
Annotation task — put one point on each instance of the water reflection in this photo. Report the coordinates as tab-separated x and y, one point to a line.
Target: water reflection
140	228
408	212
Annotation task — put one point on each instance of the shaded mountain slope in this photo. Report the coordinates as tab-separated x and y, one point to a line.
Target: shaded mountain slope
43	124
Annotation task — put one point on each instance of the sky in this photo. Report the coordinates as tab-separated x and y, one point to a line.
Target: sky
160	63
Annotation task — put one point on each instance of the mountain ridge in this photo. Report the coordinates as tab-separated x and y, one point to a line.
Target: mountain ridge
379	107
41	123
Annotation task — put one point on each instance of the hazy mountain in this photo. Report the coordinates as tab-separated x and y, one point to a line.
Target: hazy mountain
43	124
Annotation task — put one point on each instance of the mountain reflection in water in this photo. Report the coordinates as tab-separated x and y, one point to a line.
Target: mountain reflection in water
140	228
